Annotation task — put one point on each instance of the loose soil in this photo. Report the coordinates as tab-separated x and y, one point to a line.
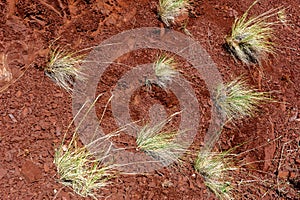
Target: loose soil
35	113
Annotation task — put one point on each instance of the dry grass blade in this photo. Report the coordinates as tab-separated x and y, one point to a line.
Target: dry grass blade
237	99
63	68
158	144
250	39
168	10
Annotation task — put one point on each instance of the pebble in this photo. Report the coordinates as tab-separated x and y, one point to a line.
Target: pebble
12	117
283	174
19	94
2	172
30	171
25	112
46	168
293	175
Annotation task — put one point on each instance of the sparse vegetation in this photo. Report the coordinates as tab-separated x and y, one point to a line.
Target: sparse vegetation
215	168
264	168
79	169
168	10
237	99
159	144
165	70
63	68
228	174
250	39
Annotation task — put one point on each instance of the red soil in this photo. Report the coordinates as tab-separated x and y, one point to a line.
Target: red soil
35	113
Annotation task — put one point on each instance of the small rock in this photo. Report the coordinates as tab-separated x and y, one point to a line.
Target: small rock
152	185
16	171
52	131
2	172
293	175
52	120
10	181
151	195
46	168
58	94
54	105
12	117
111	20
26	152
64	195
19	94
181	18
37	128
30	171
8	156
167	183
31	96
55	141
24	112
44	125
129	16
123	3
191	185
136	100
283	174
58	131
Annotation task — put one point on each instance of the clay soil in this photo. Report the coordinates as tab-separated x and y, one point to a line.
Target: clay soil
35	112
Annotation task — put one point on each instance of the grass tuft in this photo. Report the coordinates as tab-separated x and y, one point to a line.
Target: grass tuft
215	168
237	99
63	68
165	70
79	169
250	38
168	10
159	144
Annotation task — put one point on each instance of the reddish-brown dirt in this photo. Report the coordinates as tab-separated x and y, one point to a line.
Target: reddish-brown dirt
35	113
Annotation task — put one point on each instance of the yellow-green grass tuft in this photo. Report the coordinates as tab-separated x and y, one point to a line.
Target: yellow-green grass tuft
215	168
237	99
79	169
251	38
159	144
168	10
63	68
165	70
